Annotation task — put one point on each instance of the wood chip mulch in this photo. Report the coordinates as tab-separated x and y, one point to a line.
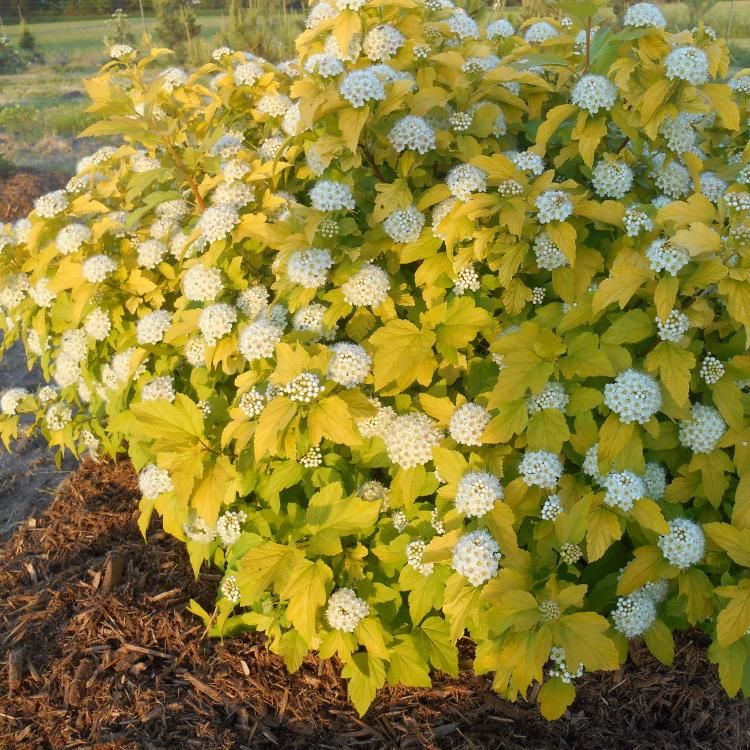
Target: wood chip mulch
17	193
99	652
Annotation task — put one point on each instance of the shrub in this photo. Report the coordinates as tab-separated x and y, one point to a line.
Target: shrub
446	333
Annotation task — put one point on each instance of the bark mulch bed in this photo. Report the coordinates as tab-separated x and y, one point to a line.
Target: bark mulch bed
17	193
99	652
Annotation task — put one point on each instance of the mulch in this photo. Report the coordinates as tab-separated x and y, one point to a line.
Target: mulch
17	193
99	652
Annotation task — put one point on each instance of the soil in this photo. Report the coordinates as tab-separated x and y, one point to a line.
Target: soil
101	653
17	193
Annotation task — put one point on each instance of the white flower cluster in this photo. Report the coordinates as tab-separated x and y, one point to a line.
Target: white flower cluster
737	201
467	279
548	254
58	416
703	431
217	321
328	195
153	481
570	553
612	179
561	668
740	84
201	284
500	29
552	396
374	491
410	438
14	291
97	324
460	122
376	425
551	508
665	257
309	268
195	351
399	520
553	205
51	204
253	301
678	133
346	610
412	133
404	226
196	529
634	396
414	553
252	403
671	177
687	64
324	64
305	387
230	589
463	25
116	51
368	287
644	15
312	458
540	469
238	194
477	493
349	364
684	545
476	556
634	614
321	11
540	32
10	399
151	328
70	238
309	318
229	526
382	42
713	187
712	369
216	222
655	480
468	423
590	465
259	339
623	488
42	295
247	73
360	87
150	253
159	389
549	610
528	161
674	327
594	92
538	294
465	179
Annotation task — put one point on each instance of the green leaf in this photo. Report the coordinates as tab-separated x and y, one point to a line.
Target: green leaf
273	421
585	359
435	637
407	665
263	566
735	542
460	604
698	591
306	592
660	642
733	661
673	365
293	648
547	430
555	697
369	632
427	594
629	328
366	673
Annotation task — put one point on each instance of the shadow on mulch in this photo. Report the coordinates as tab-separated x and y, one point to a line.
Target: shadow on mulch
100	653
17	193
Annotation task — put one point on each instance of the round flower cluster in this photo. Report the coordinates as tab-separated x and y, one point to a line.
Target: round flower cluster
328	195
477	493
196	529
634	396
309	318
655	480
97	324
538	294
528	161
551	508
216	321
346	610
468	423
216	222
553	205
540	32
644	15
713	187
549	610
382	42
594	92
252	403
324	64
58	417
703	431
674	327
404	226
412	133
349	364
636	221
305	387
671	177
665	257
360	87
561	669
687	64
312	458
552	396
500	29
712	369
414	553
42	295
70	238
368	287
259	339
623	488
548	254
540	469
570	553
678	133
375	426
476	556
253	301
634	615
201	284
10	399
231	590
247	73
612	179
309	268
463	25
460	122
51	204
159	389
738	201
684	545
152	327
399	520
151	253
465	179
153	481
410	438
229	526
467	279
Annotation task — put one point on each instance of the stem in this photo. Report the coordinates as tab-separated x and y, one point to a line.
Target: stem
623	144
188	176
374	166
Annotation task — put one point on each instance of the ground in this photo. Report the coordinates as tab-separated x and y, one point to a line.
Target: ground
103	654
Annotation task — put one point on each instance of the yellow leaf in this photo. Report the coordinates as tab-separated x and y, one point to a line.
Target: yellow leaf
273	421
698	239
602	530
547	430
555	697
564	236
723	104
305	591
648	564
330	418
403	354
682	213
348	24
665	295
673	365
735	542
734	620
582	635
660	642
217	487
648	514
629	272
351	122
554	118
